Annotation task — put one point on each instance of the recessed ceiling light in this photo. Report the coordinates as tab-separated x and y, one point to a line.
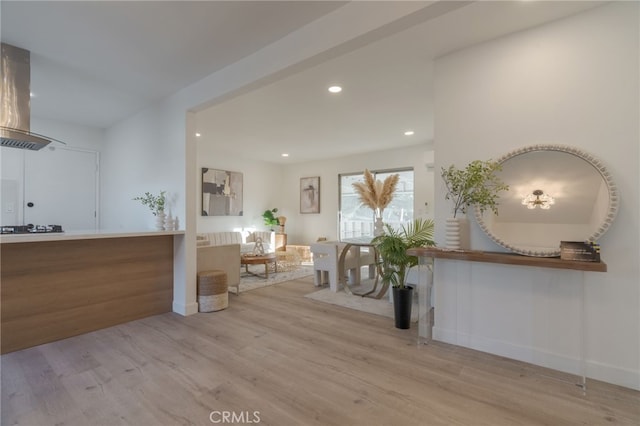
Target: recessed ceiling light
409	133
285	154
198	135
335	89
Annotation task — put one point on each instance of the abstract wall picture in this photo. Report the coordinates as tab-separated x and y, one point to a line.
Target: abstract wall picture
310	194
221	193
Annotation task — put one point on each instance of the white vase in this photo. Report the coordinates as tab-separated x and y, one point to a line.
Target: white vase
378	228
168	222
457	233
160	217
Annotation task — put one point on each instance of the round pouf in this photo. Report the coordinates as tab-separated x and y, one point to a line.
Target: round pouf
212	291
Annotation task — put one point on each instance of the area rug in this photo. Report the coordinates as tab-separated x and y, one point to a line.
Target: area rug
381	307
251	282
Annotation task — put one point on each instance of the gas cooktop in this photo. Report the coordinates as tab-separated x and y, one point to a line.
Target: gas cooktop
31	229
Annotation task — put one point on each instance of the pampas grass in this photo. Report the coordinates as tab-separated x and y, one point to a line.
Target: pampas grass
376	194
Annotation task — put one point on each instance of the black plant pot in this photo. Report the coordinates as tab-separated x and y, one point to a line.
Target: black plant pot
402	302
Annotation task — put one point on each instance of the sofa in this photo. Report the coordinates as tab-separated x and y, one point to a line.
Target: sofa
222	250
247	241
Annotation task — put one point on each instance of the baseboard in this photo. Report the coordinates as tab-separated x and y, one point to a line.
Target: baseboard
595	370
185	310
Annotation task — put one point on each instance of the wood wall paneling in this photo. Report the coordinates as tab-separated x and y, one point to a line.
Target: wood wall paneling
57	289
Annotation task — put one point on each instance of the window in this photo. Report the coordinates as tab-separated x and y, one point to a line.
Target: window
357	220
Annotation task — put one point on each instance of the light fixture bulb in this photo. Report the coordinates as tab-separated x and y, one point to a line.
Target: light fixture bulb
335	89
538	199
198	135
285	154
409	133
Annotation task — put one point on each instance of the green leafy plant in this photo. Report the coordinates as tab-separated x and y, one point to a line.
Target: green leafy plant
392	247
155	203
270	218
477	184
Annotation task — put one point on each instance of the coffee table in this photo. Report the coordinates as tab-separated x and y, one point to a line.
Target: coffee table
249	259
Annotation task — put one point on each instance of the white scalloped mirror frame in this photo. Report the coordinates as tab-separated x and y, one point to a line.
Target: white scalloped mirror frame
486	219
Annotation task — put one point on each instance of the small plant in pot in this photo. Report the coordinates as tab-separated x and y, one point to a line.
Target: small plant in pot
270	219
477	184
154	202
394	263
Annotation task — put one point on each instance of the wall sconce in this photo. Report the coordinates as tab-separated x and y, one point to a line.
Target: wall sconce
538	199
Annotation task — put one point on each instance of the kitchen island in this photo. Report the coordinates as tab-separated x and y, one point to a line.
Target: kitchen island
59	285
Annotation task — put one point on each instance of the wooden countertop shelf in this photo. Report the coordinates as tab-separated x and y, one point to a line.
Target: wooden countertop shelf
507	259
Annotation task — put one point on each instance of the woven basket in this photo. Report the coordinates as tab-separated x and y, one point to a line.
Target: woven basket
212	291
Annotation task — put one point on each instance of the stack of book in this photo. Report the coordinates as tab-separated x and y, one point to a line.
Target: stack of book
587	251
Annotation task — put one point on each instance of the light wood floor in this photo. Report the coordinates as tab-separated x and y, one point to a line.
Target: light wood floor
295	361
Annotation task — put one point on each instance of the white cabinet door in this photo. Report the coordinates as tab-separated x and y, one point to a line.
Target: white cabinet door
60	188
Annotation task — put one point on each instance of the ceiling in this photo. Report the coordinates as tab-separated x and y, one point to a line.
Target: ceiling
95	63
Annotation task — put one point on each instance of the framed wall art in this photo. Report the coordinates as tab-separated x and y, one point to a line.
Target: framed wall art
221	193
310	194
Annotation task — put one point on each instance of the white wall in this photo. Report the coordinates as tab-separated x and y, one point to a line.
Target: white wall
571	82
75	136
144	154
262	189
268	185
306	228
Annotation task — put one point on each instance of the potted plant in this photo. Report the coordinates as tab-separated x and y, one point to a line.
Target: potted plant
270	219
156	204
394	262
477	184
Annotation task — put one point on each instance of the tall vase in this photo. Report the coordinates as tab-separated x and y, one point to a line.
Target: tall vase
457	233
168	222
378	228
160	217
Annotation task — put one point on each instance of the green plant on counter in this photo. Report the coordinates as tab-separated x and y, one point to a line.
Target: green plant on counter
477	184
155	203
270	218
392	247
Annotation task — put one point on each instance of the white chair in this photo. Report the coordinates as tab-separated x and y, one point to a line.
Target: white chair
325	264
326	257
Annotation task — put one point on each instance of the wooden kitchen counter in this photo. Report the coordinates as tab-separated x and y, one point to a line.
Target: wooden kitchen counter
80	235
55	286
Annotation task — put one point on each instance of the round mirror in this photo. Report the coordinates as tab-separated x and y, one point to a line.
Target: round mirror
556	193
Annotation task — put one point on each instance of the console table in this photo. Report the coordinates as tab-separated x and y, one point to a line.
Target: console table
427	255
